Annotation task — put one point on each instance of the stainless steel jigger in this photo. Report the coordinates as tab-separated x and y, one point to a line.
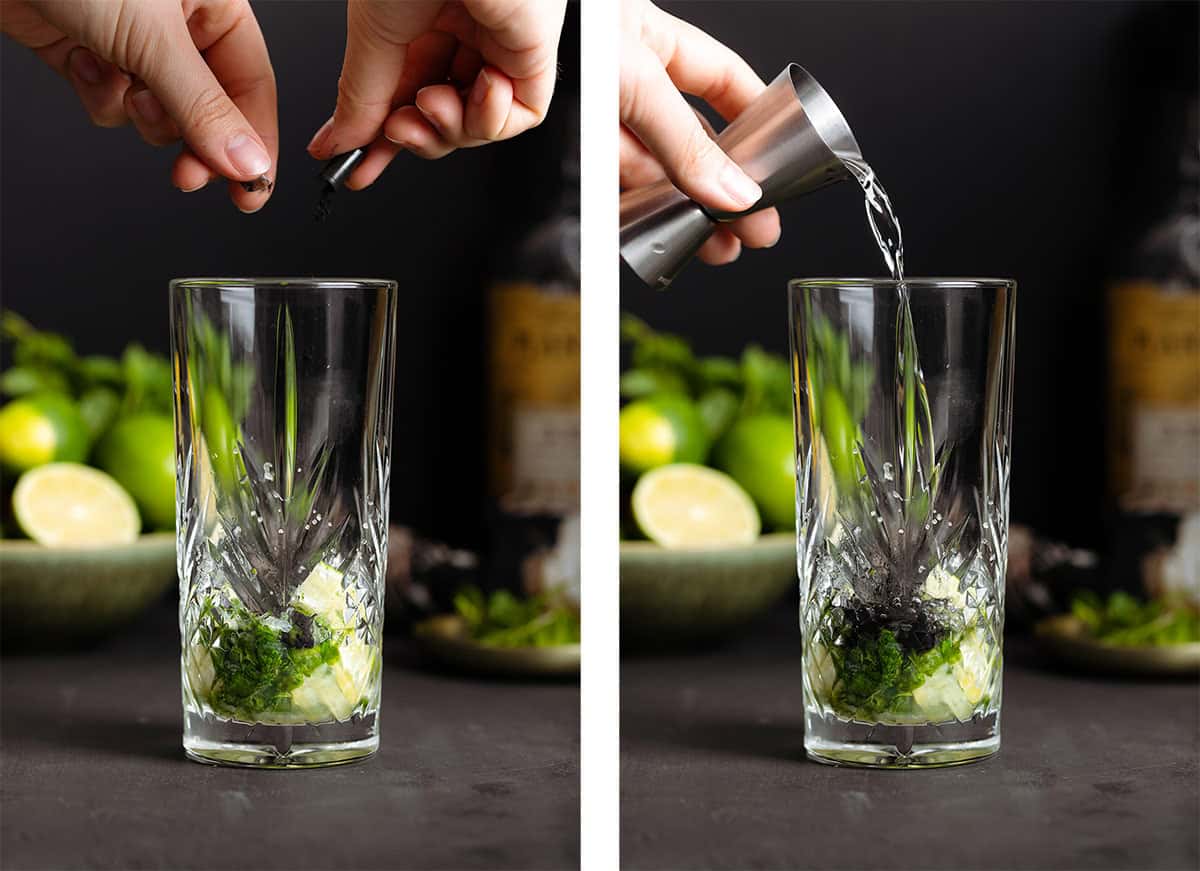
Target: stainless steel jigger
791	140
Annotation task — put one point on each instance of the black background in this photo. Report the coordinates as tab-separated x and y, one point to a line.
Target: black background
1020	140
1016	139
91	231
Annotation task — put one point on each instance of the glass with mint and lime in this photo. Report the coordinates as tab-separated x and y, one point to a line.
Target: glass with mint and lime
283	428
903	395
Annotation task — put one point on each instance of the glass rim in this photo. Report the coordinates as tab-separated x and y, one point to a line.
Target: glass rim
917	283
296	283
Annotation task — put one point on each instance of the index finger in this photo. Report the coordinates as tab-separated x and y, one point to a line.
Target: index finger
703	67
379	39
654	111
240	61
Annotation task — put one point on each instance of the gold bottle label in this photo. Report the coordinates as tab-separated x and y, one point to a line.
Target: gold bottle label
534	399
1154	401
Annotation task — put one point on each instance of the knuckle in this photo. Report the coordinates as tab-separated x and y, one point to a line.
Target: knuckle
480	134
351	97
631	101
538	117
258	82
719	87
695	155
135	38
208	109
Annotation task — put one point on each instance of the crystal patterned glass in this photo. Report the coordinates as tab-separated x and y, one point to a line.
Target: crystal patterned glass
903	401
283	409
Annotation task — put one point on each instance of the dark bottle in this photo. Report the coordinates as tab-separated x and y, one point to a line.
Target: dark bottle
1154	400
533	396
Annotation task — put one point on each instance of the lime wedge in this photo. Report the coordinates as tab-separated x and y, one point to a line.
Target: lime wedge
201	673
940	699
69	505
688	506
322	698
974	671
322	593
334	691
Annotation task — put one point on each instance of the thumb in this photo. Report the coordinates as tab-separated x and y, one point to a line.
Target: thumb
371	73
208	120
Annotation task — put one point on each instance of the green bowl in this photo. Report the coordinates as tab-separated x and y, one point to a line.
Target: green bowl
698	595
52	596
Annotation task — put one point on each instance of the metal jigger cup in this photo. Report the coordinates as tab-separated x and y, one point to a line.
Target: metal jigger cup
791	140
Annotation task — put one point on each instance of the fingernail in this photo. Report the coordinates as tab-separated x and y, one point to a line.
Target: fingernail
85	66
319	137
247	156
432	121
483	84
740	186
147	107
192	190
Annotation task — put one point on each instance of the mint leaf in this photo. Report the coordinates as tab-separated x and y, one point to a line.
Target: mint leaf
504	620
24	380
256	666
877	674
638	383
1125	620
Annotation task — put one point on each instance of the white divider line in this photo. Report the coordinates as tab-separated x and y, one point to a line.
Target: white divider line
599	712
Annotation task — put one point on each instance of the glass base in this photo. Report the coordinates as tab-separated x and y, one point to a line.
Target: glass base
213	741
873	745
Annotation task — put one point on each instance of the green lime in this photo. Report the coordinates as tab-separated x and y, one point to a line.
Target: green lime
139	451
688	506
659	430
40	429
759	452
71	505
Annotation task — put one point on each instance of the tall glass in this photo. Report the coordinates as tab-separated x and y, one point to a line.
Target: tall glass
283	410
903	414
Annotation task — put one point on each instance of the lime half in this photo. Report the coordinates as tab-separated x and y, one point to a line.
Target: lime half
69	505
688	506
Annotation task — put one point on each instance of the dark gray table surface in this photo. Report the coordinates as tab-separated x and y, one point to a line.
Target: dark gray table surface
471	774
1093	773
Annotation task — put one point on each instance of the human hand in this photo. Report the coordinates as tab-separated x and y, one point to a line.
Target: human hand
431	77
661	135
191	69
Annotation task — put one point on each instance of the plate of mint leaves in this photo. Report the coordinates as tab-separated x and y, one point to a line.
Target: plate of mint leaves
501	633
1124	634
